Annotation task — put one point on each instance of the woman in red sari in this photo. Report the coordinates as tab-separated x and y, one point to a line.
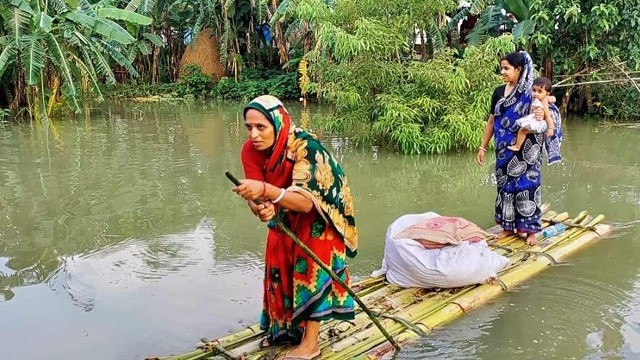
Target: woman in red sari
301	184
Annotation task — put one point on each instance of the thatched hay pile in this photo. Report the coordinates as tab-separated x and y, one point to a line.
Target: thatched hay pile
204	52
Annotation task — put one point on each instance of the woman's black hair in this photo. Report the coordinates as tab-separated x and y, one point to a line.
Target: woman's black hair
515	59
544	83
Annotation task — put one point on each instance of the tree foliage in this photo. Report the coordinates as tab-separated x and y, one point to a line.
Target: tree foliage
389	67
583	34
363	63
591	39
51	46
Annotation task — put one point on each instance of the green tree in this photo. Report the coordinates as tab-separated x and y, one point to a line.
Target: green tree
363	63
497	16
58	45
591	38
573	40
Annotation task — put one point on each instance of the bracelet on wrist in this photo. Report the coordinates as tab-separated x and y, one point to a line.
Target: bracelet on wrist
482	148
264	189
282	191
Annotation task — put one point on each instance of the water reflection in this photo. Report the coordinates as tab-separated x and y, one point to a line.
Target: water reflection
630	328
339	146
575	311
461	340
374	153
101	184
122	266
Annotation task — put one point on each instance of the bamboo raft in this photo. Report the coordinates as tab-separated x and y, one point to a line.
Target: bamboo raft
407	313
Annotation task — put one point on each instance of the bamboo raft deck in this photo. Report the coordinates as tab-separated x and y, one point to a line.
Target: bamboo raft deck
407	313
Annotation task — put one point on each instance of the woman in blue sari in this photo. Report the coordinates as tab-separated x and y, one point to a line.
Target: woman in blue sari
518	176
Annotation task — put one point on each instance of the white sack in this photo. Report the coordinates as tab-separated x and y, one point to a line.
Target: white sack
407	263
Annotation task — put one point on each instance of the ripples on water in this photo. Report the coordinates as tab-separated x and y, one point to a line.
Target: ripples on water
141	262
460	340
127	264
538	330
631	327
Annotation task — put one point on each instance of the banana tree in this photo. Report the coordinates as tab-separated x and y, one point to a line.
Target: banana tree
496	16
145	52
55	45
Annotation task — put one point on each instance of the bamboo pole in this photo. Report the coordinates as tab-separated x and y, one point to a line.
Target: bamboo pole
345	329
626	73
362	341
595	73
248	340
518	243
450	306
456	308
324	267
596	82
570	224
581	73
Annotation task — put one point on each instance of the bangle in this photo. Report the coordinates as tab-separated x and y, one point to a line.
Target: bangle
481	148
282	191
264	189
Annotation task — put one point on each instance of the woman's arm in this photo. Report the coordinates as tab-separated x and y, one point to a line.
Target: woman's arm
488	133
291	200
254	189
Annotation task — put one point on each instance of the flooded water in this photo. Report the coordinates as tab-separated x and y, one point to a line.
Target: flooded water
120	238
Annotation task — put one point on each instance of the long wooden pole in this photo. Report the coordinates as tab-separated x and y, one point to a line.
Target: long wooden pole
597	82
595	73
324	267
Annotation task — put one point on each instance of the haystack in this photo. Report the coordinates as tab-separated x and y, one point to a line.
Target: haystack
204	52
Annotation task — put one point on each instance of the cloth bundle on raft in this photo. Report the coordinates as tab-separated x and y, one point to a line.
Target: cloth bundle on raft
428	250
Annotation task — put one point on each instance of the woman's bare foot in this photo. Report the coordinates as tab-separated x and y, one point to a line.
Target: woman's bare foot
531	239
302	352
504	233
308	348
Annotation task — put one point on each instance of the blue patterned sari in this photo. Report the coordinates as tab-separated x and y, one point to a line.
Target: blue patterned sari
517	173
553	143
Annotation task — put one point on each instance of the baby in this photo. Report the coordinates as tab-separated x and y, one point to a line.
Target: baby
529	124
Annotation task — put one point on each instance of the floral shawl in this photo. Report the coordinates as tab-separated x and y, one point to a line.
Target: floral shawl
298	162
